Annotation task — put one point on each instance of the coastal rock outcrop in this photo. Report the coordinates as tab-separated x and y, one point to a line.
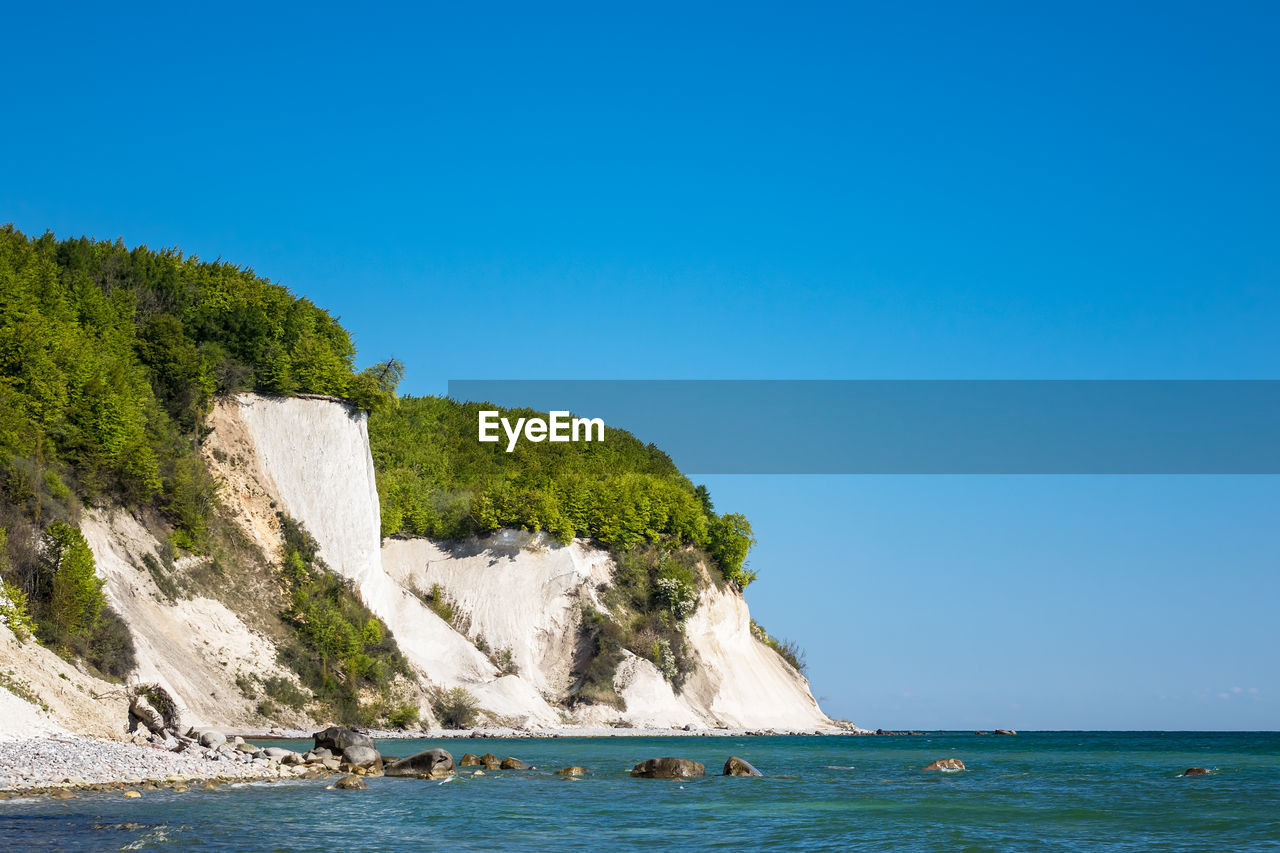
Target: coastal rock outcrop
736	766
336	739
428	764
946	764
668	768
362	757
351	783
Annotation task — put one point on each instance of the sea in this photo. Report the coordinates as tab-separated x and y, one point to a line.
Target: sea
1034	791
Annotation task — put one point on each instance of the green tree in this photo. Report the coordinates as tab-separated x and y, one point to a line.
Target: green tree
76	598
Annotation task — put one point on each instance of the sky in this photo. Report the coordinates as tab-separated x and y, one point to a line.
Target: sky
764	191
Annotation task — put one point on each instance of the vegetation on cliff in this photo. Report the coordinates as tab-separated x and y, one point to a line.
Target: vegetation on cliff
111	357
435	479
339	647
109	360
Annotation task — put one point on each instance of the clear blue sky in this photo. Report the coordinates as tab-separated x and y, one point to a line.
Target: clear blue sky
907	190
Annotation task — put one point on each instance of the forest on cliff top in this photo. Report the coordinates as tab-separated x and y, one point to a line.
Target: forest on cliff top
110	358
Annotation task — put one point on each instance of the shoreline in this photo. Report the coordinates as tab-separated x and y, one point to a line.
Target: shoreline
63	765
551	734
46	764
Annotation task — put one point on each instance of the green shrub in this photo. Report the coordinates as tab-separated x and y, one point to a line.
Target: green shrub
75	591
108	648
339	647
455	708
13	611
284	691
163	580
403	717
439	603
788	649
603	639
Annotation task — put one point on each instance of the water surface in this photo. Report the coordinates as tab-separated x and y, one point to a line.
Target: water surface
1050	791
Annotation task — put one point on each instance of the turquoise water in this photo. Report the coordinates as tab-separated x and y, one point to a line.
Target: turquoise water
1052	791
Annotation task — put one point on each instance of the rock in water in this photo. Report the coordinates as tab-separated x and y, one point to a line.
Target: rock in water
490	761
946	764
337	738
575	770
668	768
1005	732
351	783
429	764
363	757
469	760
509	763
1196	771
735	766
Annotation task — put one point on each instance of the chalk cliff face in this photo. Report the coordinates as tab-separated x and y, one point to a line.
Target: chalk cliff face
194	647
511	592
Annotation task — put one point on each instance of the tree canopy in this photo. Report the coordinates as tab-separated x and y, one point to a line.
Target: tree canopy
435	479
110	358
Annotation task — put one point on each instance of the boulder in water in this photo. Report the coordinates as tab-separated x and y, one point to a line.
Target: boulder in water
351	783
668	768
363	757
428	764
510	763
736	766
490	761
946	764
574	770
338	738
1196	771
469	760
1005	732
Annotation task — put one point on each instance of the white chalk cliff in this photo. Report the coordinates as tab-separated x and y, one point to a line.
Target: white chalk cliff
309	457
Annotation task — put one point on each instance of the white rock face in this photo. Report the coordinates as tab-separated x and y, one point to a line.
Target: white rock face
313	455
69	700
741	682
651	702
309	457
516	591
316	454
194	647
524	592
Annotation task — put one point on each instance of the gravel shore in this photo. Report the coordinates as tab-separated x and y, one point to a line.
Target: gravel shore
568	731
74	762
